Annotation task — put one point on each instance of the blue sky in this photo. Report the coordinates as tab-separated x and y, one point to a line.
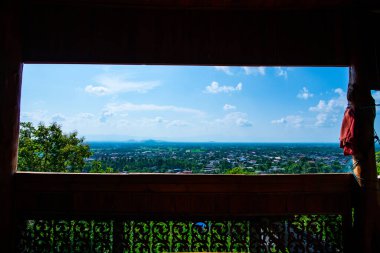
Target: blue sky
188	103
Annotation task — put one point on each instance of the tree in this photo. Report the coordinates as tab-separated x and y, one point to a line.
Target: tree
97	167
239	170
378	163
47	148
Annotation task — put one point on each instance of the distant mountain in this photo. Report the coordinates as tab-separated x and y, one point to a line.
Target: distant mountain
132	141
151	141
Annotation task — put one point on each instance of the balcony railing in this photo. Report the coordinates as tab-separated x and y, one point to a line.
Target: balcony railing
183	213
296	233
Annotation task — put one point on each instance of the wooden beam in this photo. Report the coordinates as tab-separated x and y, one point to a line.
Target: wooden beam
125	35
373	24
10	83
194	33
49	194
211	4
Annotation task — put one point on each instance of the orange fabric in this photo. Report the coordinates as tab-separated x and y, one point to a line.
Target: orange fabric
347	137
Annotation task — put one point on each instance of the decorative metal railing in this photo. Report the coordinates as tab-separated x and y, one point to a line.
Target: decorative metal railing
297	233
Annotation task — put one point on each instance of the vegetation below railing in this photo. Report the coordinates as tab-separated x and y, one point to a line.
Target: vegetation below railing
299	233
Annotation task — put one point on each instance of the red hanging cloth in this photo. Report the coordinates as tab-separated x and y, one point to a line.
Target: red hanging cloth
347	137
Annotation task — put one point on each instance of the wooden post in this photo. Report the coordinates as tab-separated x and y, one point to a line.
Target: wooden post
359	96
10	84
365	171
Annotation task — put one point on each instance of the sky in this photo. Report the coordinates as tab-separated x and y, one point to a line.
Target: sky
188	103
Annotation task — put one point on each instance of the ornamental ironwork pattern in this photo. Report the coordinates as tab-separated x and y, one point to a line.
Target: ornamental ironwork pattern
299	233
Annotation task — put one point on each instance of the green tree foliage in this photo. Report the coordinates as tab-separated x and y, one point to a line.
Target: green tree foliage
97	167
378	162
47	148
239	170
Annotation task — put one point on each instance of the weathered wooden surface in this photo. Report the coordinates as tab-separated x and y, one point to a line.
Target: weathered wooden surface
364	75
198	32
181	195
160	196
225	4
10	82
367	211
74	34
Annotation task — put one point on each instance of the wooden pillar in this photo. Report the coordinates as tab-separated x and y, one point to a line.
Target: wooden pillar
365	171
359	96
10	84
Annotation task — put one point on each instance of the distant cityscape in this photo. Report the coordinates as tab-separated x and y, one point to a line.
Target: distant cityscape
219	158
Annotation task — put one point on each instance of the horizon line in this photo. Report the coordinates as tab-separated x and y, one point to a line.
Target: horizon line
232	142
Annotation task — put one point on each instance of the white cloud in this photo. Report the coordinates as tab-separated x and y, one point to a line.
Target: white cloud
97	90
82	118
339	91
114	108
332	105
282	72
177	123
214	88
376	96
304	94
290	120
227	107
85	116
224	69
235	119
68	121
329	112
254	71
321	107
151	121
105	116
321	118
112	84
35	116
243	122
58	118
158	120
